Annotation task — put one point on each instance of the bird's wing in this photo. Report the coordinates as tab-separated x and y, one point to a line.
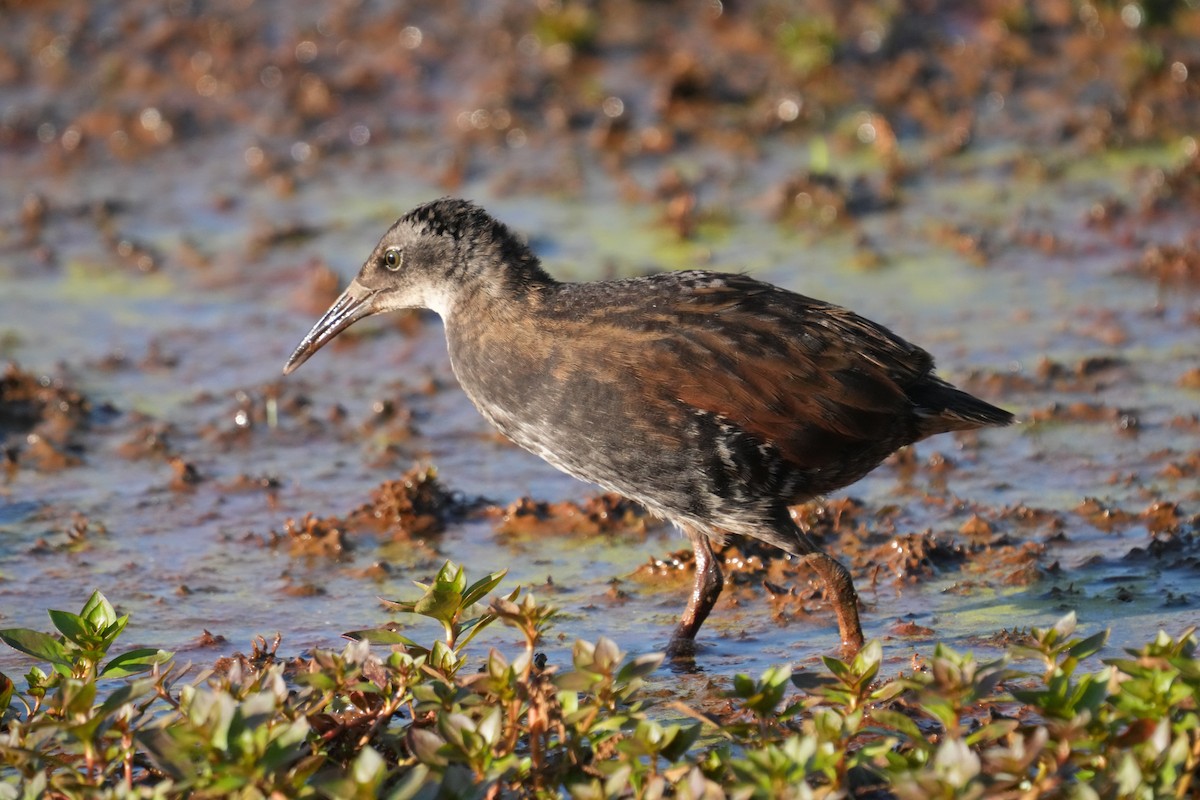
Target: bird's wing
814	379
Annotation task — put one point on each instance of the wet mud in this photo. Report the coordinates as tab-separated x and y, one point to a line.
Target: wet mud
184	187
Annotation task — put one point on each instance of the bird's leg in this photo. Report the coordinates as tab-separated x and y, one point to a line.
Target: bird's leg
840	588
706	590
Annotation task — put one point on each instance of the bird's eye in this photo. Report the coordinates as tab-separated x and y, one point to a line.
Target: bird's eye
392	259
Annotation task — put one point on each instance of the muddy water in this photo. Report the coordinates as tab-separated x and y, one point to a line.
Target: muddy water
168	290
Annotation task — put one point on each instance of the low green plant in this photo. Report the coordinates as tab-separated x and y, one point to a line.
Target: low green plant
447	600
412	721
81	644
66	727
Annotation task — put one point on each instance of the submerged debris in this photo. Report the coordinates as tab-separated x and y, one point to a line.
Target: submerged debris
208	639
413	506
151	440
184	475
320	288
262	655
1186	467
915	556
908	628
1170	264
41	419
600	514
313	536
1163	517
1123	420
1090	374
1103	516
823	199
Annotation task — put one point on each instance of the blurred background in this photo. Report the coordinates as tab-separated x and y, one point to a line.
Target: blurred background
185	186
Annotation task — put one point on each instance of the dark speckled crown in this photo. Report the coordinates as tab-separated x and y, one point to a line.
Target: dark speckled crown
489	247
453	217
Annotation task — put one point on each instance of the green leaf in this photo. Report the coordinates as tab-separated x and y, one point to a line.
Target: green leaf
1091	692
98	611
135	661
480	588
111	631
129	692
380	636
1065	626
992	731
942	708
1089	646
77	697
369	769
583	655
902	724
6	692
285	744
36	644
428	747
743	686
415	785
39	681
490	726
838	667
639	667
457	729
606	654
681	743
616	783
402	606
441	657
866	663
888	691
453	576
576	681
73	627
442	602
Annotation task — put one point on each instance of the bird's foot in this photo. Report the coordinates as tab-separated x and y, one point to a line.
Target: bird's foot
681	648
681	655
850	646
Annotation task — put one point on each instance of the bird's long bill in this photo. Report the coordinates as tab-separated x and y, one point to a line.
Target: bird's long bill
353	305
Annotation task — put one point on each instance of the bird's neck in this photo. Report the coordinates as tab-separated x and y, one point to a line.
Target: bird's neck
505	290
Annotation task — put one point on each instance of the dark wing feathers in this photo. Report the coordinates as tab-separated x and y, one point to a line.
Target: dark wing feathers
818	382
814	379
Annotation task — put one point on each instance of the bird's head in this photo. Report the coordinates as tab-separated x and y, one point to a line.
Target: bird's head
430	258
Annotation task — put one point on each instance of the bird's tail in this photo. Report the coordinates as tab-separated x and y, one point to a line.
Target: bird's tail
943	407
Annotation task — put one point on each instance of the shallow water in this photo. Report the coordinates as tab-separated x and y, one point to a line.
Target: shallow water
193	350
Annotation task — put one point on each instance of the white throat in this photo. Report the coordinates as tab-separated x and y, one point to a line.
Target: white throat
437	299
